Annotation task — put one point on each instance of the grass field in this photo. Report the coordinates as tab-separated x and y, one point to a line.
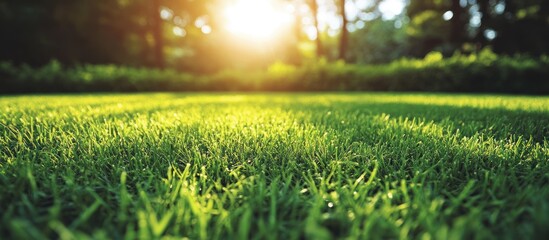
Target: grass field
274	166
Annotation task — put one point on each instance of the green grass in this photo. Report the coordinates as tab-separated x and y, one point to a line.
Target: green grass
274	166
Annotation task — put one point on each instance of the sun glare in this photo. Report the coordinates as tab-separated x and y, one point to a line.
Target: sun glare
391	8
256	19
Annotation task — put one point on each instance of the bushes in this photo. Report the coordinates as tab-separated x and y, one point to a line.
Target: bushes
483	72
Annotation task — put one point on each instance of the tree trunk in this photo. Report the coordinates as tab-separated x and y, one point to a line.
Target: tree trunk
483	6
457	24
314	9
158	36
344	33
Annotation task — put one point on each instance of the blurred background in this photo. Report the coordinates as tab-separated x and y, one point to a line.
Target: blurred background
209	36
197	35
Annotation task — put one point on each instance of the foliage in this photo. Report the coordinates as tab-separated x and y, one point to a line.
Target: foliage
379	42
303	166
100	31
169	32
460	73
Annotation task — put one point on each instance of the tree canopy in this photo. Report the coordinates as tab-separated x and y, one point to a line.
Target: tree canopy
193	34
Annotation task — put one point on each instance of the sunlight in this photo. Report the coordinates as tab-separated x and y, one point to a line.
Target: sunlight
391	8
256	19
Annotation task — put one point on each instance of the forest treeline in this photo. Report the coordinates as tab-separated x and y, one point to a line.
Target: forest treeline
186	35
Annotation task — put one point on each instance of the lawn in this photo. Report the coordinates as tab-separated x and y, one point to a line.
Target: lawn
274	166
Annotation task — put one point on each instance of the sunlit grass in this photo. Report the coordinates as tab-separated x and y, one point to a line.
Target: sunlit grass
277	166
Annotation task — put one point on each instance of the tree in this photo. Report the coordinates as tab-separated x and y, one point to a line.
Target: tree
344	36
313	5
378	42
522	26
430	31
458	22
485	11
157	32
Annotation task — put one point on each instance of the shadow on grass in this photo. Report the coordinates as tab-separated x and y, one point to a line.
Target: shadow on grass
498	123
481	175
